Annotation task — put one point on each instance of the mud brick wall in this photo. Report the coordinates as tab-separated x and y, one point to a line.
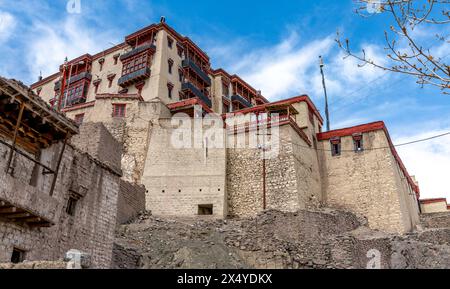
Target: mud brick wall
131	201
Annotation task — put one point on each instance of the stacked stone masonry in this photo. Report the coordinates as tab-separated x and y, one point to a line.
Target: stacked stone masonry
93	183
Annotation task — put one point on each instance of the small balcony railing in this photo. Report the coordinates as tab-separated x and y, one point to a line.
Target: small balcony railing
134	77
137	50
241	100
188	63
187	86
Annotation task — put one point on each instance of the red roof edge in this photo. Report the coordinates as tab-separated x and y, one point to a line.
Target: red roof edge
296	99
79	106
374	126
45	80
435	200
118	95
378	125
189	102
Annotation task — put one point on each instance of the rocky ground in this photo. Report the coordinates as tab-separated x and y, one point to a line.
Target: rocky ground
324	238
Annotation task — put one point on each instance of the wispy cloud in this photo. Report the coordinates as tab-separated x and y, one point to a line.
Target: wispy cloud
291	67
7	25
428	161
51	43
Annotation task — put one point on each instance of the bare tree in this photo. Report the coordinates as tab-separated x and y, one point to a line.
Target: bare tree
404	51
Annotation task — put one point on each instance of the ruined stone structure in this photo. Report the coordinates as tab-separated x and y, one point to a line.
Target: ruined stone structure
139	89
56	192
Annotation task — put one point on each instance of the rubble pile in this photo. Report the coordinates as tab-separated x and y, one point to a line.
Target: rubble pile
322	239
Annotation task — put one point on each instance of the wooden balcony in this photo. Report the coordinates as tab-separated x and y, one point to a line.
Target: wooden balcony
14	214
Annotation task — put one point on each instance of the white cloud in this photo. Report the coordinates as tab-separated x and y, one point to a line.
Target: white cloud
283	70
429	162
291	67
7	25
50	43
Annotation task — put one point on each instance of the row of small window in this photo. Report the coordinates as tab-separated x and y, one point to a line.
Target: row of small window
336	148
118	110
170	43
101	61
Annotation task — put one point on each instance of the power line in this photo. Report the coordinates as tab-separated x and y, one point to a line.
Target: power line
375	148
377	92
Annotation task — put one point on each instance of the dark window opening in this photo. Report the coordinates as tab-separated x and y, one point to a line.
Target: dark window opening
100	62
170	65
79	118
335	147
180	51
169	90
170	42
116	57
180	75
205	210
358	146
18	256
358	142
226	108
71	206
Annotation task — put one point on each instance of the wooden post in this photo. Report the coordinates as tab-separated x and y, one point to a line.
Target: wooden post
55	175
16	131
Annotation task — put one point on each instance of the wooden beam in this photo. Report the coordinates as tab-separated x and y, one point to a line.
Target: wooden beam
8	210
55	176
18	215
33	220
16	129
40	225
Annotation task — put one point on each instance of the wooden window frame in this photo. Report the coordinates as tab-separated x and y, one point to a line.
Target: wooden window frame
118	112
336	146
358	142
135	63
101	61
77	90
110	79
116	58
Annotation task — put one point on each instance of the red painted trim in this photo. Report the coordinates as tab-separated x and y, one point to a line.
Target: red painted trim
109	51
351	130
303	98
119	96
432	201
79	106
187	103
220	71
236	78
45	80
374	126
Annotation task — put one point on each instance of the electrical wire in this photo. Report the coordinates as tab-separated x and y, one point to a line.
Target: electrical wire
375	148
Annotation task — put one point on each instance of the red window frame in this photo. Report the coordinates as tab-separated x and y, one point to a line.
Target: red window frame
119	110
136	63
75	91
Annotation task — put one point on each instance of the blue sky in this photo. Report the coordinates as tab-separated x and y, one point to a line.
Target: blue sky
274	45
